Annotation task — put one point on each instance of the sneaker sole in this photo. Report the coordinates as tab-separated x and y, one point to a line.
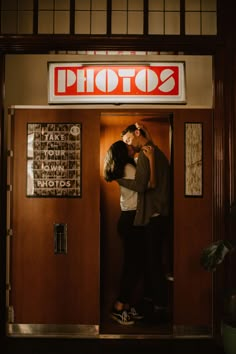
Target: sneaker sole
128	323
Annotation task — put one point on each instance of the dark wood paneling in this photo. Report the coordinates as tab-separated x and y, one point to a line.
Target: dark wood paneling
3	171
41	44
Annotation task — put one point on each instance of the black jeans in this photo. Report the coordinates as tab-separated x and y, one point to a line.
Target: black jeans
133	262
155	286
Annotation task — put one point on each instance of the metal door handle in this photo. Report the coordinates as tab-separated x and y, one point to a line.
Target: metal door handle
60	238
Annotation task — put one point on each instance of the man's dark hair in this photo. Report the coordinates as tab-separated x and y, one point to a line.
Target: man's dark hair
131	129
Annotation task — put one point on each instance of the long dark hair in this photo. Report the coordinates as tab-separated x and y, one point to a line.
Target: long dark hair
116	158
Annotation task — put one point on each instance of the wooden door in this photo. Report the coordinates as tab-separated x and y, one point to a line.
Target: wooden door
49	287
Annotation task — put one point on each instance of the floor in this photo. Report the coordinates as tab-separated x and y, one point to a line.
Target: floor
141	338
155	337
108	346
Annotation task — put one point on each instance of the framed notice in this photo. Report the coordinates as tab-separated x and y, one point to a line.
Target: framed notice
53	159
193	160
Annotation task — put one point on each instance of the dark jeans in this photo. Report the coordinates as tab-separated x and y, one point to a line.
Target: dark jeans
133	263
143	259
155	286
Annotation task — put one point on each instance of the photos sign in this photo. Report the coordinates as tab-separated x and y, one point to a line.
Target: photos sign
162	82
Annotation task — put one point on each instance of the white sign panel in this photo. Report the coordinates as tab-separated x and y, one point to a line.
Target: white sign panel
162	82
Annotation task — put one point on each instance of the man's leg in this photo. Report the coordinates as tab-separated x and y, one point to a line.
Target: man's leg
155	279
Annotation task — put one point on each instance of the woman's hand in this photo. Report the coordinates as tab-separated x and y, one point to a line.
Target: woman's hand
148	151
139	125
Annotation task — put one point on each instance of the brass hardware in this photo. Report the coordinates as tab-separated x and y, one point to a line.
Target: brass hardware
9	232
10	153
11	314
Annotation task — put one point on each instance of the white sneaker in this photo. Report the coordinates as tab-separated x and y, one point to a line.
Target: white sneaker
122	317
134	314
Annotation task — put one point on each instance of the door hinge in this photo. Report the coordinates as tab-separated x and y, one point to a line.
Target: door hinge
10	153
9	188
9	232
11	111
11	317
8	287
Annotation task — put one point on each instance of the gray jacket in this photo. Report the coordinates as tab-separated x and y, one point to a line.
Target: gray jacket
150	201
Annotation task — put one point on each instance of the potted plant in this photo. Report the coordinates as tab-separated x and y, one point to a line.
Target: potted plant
211	257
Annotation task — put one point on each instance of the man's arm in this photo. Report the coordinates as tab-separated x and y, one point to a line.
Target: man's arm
149	152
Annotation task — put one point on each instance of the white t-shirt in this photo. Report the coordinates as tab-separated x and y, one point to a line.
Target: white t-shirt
128	198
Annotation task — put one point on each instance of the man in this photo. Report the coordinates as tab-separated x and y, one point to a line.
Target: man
152	212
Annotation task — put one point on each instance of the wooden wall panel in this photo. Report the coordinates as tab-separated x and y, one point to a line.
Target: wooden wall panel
192	228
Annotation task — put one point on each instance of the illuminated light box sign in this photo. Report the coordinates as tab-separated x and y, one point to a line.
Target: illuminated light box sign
53	159
162	82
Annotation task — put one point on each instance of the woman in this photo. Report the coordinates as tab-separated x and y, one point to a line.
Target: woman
120	163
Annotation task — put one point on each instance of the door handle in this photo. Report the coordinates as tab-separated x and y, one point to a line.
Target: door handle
60	238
